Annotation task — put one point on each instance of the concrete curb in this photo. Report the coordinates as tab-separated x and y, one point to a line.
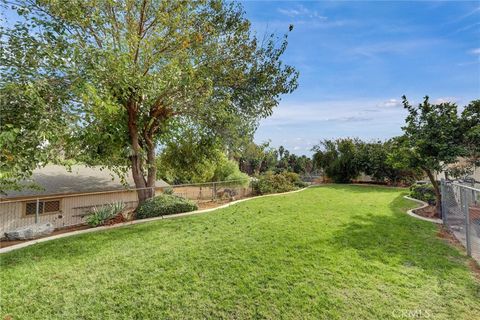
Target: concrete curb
119	225
424	205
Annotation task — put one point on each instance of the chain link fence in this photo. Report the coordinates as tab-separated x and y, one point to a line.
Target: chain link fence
461	213
69	210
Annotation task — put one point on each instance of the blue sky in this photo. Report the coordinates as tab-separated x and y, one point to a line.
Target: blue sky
356	59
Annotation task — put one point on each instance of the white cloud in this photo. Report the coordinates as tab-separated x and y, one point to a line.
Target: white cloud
475	51
468	14
396	47
468	63
468	27
390	103
301	11
339	112
446	99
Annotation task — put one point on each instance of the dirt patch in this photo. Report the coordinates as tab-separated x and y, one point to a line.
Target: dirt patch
119	218
443	233
427	212
475	267
210	204
214	204
8	243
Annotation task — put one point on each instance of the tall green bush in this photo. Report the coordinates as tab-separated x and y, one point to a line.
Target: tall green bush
424	192
228	170
337	158
277	182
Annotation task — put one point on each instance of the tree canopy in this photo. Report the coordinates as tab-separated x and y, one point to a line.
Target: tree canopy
433	139
337	159
135	70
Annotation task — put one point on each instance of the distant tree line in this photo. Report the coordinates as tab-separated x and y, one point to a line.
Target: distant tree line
255	159
344	160
435	136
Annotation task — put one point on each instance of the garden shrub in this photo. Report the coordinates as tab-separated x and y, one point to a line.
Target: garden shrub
168	190
277	182
294	178
99	215
424	192
228	170
164	204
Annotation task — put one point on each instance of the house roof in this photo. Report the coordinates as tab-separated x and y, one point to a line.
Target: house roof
54	180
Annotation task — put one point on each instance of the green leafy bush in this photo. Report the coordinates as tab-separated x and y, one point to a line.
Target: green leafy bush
294	178
424	192
98	215
168	190
164	204
337	159
228	170
277	182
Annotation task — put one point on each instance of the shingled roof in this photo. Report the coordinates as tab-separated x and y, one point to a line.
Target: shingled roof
54	179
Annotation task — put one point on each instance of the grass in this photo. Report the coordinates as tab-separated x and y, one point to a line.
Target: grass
335	252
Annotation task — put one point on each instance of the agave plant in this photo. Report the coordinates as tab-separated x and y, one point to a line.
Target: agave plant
98	215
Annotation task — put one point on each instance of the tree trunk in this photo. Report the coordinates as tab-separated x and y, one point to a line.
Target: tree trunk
143	192
136	157
151	167
436	188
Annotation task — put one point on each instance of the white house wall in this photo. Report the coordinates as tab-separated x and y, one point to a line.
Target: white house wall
72	210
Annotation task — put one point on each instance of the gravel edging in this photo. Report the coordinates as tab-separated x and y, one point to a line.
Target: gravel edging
123	224
424	205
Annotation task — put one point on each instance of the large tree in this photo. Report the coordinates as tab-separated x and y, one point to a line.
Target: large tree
34	114
433	139
135	70
375	159
337	159
255	158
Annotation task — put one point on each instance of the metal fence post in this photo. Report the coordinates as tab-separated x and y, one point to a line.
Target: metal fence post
467	221
442	203
37	211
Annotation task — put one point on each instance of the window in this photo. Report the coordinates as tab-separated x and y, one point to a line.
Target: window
44	206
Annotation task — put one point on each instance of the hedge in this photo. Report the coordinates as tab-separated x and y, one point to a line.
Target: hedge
424	192
277	182
164	204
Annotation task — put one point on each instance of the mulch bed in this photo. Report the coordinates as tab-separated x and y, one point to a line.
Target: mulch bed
119	218
427	212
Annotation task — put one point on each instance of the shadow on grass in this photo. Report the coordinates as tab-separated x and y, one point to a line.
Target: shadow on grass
78	246
398	240
360	188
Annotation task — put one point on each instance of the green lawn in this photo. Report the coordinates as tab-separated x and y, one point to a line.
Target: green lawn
333	252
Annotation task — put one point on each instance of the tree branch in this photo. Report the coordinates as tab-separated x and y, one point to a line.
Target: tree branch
140	30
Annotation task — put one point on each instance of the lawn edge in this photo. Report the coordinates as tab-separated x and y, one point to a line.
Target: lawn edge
423	205
124	224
